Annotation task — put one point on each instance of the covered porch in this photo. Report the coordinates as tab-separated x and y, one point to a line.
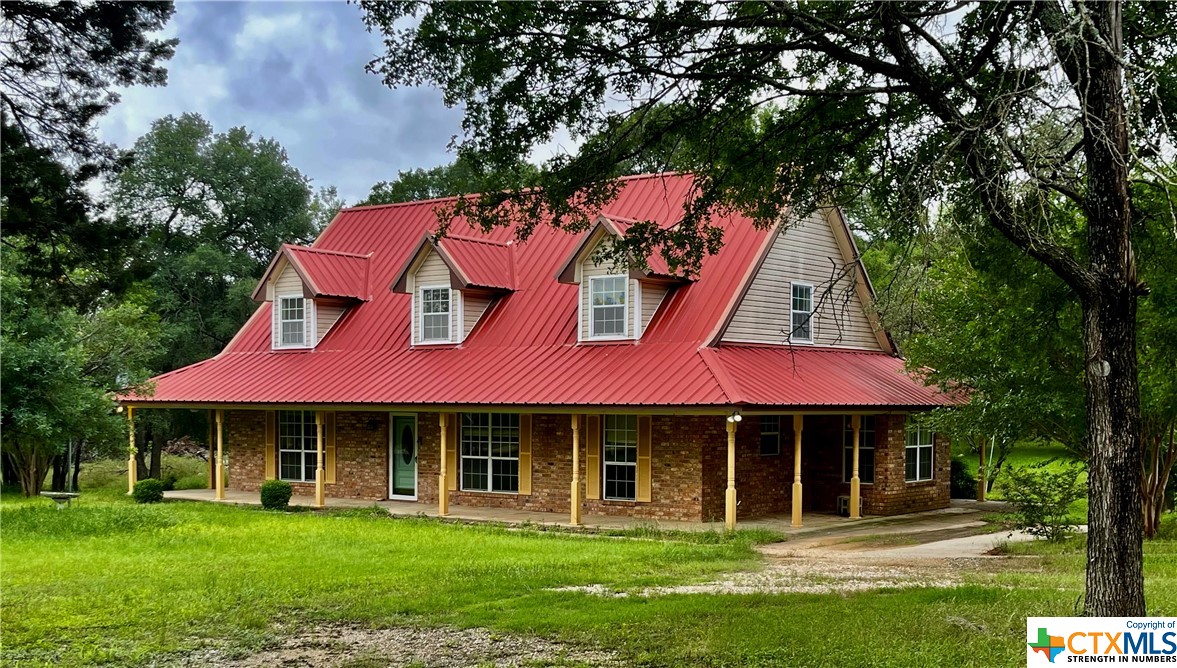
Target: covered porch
782	522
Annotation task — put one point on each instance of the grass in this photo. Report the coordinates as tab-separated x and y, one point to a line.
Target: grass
108	582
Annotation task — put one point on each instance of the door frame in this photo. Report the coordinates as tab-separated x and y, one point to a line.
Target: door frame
391	455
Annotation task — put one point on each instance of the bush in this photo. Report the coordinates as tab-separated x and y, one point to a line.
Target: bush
169	482
962	483
1042	498
148	490
276	494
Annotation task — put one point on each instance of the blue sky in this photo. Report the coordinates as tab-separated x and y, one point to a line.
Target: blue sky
293	72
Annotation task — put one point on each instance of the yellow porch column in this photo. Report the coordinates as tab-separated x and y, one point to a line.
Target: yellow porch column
797	423
574	517
855	483
320	470
443	492
132	473
729	505
220	495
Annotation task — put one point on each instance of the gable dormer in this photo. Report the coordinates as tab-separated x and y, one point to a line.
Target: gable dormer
453	281
808	288
615	303
310	289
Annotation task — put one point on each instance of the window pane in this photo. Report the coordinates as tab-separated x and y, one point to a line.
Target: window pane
292	323
770	435
505	475
801	303
474	473
802	326
925	463
290	466
620	482
435	314
607	301
866	465
910	468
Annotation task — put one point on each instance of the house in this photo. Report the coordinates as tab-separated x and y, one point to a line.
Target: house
384	362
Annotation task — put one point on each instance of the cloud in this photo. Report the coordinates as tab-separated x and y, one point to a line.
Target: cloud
294	72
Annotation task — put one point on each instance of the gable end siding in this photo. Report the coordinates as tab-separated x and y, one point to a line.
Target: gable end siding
434	272
473	307
805	252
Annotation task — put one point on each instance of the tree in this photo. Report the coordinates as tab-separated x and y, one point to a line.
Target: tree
64	60
461	177
998	105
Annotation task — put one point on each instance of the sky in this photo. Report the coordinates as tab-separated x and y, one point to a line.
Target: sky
293	72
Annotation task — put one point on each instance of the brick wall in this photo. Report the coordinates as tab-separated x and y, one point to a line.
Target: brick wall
688	467
675	471
361	454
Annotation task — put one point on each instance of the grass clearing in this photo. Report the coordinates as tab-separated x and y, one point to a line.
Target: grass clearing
108	582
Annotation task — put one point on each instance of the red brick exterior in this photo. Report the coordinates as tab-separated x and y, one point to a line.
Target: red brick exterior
688	466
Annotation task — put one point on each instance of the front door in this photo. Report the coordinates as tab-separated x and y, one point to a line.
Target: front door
402	473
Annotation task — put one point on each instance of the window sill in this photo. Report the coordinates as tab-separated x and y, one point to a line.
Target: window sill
292	349
607	339
770	454
489	492
435	343
929	481
622	502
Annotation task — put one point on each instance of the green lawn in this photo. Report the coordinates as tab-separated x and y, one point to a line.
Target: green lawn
110	582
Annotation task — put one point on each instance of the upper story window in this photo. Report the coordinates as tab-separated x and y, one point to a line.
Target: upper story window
609	309
435	314
292	316
802	313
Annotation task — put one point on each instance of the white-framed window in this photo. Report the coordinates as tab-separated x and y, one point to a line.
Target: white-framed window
608	306
292	322
490	452
866	450
620	459
919	452
435	314
801	305
297	446
770	434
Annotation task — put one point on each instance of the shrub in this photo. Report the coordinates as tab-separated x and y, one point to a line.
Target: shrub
1042	498
276	494
148	490
962	483
169	482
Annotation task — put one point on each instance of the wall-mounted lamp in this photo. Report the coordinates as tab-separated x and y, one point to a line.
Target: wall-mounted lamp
735	417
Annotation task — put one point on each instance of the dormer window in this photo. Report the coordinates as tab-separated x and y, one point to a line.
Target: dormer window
292	322
802	313
610	309
435	314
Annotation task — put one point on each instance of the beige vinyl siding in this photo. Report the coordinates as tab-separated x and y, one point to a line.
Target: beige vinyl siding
288	283
472	309
433	272
805	252
652	296
325	319
589	270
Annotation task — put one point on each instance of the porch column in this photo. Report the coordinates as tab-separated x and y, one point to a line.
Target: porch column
729	506
797	423
220	495
981	472
574	517
132	471
320	470
443	492
855	483
212	451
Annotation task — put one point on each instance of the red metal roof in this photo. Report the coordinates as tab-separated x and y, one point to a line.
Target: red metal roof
481	262
326	273
525	349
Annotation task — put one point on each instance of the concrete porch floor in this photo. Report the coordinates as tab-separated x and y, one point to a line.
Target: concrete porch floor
813	522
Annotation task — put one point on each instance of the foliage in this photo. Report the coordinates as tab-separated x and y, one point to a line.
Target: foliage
962	482
149	490
213	208
461	177
275	494
1042	497
64	61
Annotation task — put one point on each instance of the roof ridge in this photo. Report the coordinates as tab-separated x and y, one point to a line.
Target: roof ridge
327	251
488	242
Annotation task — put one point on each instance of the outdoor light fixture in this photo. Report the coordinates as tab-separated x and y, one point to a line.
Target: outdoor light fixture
735	417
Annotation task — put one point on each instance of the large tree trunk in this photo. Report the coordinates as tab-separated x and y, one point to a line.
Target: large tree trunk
78	464
1115	560
60	472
